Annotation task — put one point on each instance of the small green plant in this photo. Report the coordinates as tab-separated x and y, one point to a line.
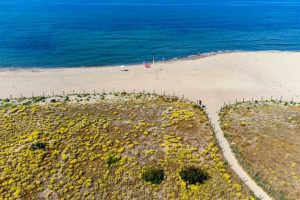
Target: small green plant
174	98
192	175
26	103
113	159
138	96
67	98
38	99
38	145
154	176
5	100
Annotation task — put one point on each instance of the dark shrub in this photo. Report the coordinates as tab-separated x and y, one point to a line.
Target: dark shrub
154	176
192	175
38	145
53	101
196	106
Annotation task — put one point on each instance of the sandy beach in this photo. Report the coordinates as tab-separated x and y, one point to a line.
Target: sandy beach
214	79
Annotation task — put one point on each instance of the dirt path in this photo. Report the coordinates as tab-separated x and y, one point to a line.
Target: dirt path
232	161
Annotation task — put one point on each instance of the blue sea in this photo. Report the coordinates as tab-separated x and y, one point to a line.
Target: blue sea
73	33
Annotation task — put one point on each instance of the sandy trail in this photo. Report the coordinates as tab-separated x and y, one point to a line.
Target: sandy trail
214	80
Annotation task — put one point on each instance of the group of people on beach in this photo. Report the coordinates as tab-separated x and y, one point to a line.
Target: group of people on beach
147	65
123	69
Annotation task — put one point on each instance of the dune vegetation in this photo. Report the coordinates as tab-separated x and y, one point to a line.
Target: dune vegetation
266	139
111	146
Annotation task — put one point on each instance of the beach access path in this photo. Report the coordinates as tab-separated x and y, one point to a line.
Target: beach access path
214	79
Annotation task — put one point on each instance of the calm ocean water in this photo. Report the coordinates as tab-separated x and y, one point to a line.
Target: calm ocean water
52	33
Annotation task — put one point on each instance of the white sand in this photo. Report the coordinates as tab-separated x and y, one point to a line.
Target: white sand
214	80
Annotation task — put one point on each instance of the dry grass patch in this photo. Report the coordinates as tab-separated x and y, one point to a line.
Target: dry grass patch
266	139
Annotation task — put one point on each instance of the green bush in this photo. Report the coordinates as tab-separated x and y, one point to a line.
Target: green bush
192	175
38	145
154	176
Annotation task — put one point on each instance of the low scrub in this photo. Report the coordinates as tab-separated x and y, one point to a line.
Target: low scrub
154	176
193	175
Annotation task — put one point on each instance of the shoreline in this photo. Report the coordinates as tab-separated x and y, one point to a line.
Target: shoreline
172	60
